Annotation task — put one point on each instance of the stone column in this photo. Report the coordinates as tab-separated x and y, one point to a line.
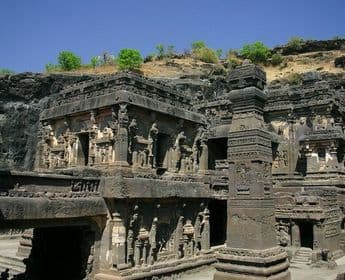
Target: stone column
121	138
251	251
118	240
295	235
205	236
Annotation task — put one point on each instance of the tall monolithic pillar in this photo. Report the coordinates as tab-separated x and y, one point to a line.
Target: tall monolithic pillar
251	251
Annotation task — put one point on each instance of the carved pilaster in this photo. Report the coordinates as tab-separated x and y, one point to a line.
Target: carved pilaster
121	139
251	250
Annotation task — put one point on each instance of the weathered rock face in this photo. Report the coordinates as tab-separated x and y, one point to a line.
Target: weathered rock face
311	46
340	62
22	97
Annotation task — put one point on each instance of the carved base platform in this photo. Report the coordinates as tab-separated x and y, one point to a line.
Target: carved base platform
159	270
245	264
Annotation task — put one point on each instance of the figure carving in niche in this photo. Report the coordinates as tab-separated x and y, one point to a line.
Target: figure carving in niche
113	123
93	123
153	241
123	116
283	234
180	159
132	131
152	144
281	159
132	232
302	129
198	228
199	149
188	238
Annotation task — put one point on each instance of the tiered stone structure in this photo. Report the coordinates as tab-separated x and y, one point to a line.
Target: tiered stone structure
151	181
251	250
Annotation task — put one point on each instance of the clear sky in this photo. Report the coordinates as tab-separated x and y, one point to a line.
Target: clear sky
33	32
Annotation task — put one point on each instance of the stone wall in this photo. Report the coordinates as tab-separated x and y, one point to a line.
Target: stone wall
22	97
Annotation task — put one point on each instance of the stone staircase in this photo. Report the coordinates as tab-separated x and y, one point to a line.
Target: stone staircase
302	256
13	263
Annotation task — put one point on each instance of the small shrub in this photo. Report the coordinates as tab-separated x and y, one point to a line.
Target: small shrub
219	53
207	55
95	61
160	51
170	51
295	43
69	61
6	71
295	78
256	52
150	57
233	62
276	59
129	59
197	45
50	67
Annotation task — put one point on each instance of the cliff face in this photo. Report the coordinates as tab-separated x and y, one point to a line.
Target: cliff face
22	97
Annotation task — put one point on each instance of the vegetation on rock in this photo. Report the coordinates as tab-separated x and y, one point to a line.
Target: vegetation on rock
295	43
276	59
69	61
129	59
6	71
256	52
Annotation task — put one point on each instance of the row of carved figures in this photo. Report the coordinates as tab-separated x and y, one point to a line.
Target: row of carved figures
144	246
120	142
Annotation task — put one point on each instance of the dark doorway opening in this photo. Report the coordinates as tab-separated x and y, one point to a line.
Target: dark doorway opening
306	234
58	253
217	150
163	141
83	149
218	221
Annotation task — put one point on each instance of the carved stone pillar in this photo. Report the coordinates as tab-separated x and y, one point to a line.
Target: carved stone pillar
295	235
203	161
118	240
205	235
251	251
137	252
121	138
318	235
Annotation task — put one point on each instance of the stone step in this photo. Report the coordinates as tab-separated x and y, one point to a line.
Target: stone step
15	264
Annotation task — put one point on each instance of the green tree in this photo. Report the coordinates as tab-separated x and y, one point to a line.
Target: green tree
197	45
69	61
6	71
256	52
129	59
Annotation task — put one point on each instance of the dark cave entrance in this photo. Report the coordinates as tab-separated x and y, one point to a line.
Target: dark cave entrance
83	149
162	148
306	234
218	221
217	150
59	253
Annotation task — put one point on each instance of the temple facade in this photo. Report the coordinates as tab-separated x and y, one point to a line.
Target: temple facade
150	182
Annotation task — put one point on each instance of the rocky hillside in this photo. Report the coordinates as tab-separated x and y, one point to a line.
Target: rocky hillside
311	56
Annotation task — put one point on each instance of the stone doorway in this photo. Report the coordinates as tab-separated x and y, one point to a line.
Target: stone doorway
83	149
163	141
59	253
217	150
218	221
306	234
